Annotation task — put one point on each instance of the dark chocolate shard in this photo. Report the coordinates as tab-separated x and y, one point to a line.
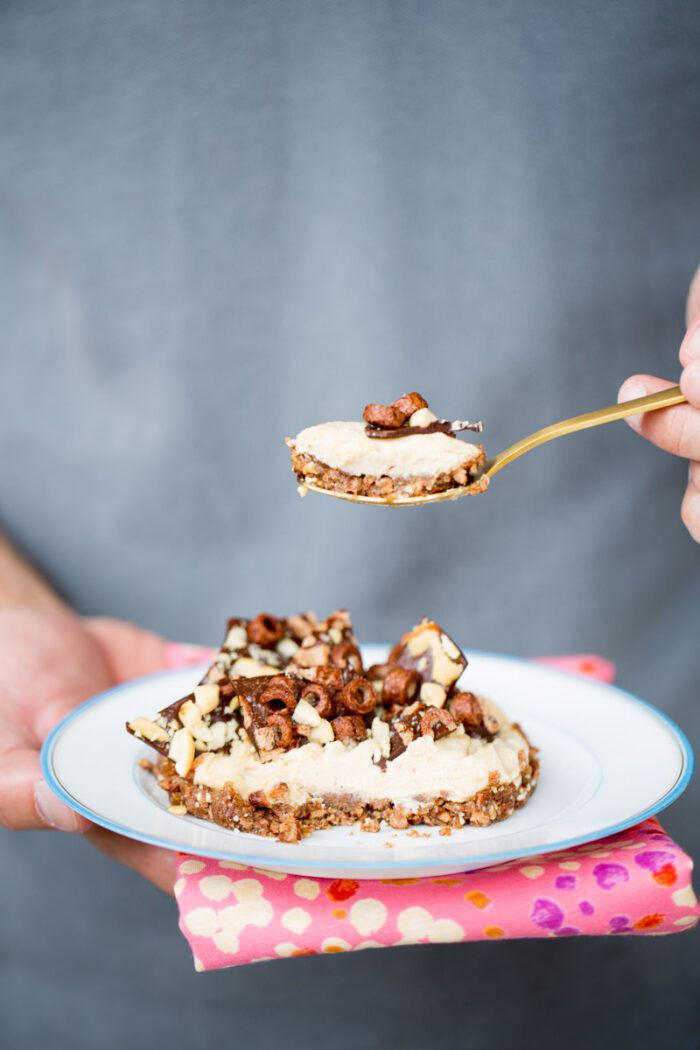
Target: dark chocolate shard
428	650
254	652
440	426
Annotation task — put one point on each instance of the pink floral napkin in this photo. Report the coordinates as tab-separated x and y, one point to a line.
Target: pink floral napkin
636	882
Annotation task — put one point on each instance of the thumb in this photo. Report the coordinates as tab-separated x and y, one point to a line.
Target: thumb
676	430
631	389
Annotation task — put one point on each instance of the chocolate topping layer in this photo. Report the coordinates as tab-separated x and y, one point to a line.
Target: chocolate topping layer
440	426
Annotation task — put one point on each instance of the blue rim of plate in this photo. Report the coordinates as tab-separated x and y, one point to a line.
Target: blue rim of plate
485	860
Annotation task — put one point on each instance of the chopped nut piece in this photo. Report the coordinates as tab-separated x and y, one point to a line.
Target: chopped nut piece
203	736
218	735
178	811
422	418
287	648
382	735
300	626
190	715
433	694
182	751
397	819
259	798
450	648
404	733
305	714
445	671
206	697
340	618
421	642
322	733
148	730
264	656
491	723
236	638
245	667
215	674
312	656
231	729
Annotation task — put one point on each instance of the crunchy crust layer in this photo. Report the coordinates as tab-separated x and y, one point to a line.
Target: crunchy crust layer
309	468
288	823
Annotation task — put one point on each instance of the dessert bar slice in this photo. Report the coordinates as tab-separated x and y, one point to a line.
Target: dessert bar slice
399	450
314	744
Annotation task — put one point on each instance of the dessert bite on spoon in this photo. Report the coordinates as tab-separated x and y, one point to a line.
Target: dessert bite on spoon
402	455
399	454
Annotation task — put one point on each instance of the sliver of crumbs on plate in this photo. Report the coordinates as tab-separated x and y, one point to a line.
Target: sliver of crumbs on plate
288	733
400	450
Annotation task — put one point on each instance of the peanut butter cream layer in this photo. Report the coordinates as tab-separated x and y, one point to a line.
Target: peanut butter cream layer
346	447
288	822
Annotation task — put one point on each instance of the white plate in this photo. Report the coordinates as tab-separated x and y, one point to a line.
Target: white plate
607	758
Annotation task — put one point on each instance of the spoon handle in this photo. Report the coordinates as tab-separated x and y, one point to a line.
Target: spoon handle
663	399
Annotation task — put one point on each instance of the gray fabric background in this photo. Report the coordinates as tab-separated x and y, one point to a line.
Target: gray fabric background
223	221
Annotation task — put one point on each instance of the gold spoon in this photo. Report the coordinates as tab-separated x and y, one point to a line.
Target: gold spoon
663	399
